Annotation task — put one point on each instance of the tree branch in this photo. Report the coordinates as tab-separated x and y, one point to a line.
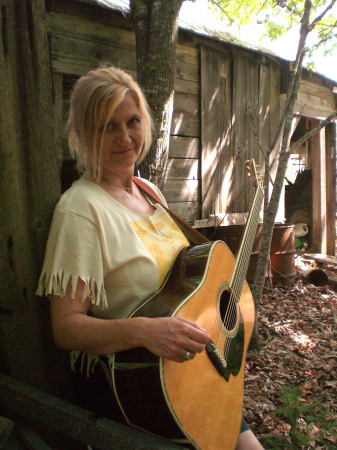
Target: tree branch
298	66
320	17
311	133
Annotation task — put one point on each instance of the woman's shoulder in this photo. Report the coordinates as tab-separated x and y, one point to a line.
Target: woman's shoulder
155	189
80	198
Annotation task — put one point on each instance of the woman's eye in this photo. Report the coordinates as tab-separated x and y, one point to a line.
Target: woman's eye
134	121
111	126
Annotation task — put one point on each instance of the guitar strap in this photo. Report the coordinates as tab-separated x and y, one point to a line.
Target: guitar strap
192	235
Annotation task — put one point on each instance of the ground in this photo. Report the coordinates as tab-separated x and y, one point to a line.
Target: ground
291	381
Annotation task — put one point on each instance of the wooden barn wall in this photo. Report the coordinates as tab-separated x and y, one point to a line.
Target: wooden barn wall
211	134
229	86
79	45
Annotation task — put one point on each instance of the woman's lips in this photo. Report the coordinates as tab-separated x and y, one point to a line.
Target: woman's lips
125	150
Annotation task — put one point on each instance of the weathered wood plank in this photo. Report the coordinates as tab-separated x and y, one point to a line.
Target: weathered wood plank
187	71
184	147
16	398
226	130
187	102
261	116
240	126
65	25
188	54
70	66
308	100
184	124
182	169
74	26
181	190
58	111
187	211
311	106
186	86
320	257
211	130
92	51
316	90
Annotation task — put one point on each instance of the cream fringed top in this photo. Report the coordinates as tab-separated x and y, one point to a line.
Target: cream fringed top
122	256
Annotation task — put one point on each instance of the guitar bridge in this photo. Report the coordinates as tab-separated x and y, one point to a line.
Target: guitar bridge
217	360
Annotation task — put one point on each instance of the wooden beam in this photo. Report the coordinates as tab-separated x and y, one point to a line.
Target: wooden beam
322	258
19	399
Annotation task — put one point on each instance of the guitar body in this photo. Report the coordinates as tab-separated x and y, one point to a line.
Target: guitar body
194	402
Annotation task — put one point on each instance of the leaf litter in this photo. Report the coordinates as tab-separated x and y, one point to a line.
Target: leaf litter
297	350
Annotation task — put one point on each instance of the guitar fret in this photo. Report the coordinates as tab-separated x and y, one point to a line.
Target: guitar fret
242	262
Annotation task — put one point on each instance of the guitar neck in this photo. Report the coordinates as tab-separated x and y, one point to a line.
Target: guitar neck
242	261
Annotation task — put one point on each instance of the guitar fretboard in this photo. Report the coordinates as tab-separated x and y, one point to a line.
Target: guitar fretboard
242	261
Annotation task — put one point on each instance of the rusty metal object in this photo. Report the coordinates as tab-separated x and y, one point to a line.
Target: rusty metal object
282	254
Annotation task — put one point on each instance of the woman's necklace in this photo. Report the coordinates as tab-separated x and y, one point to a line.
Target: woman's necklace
115	184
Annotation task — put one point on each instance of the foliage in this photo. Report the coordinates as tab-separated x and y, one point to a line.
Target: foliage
279	16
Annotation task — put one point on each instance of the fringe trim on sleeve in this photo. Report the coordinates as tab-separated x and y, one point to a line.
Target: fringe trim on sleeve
57	284
89	360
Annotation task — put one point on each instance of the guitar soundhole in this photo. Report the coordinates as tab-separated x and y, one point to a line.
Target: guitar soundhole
227	310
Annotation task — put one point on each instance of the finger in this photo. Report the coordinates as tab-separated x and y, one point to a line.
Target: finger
193	324
195	332
188	356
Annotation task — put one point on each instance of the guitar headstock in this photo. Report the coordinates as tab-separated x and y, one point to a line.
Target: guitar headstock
254	173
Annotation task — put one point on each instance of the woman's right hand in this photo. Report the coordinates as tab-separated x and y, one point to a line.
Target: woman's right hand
173	337
168	337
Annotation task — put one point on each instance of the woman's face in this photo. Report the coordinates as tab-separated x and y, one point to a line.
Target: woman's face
123	137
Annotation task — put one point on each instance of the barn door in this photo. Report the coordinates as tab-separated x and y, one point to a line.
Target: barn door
215	128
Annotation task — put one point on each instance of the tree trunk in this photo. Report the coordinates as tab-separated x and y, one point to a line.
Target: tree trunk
29	188
156	27
271	207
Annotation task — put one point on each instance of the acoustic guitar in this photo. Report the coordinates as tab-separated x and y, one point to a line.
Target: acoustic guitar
199	402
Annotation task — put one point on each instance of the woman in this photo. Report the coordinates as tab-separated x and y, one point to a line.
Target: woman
109	247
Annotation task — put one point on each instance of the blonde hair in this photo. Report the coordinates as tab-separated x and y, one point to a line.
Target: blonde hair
94	98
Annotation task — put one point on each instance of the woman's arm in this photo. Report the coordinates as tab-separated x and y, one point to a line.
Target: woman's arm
168	337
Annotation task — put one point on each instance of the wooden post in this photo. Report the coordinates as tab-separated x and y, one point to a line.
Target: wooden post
29	190
319	219
330	139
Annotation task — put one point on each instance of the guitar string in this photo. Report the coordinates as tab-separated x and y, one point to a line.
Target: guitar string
243	261
231	313
231	316
241	265
236	292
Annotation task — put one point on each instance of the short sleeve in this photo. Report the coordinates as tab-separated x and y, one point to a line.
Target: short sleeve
73	251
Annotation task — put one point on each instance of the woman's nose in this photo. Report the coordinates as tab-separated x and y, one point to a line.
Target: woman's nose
124	134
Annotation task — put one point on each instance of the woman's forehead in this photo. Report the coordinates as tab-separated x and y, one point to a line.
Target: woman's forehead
128	106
